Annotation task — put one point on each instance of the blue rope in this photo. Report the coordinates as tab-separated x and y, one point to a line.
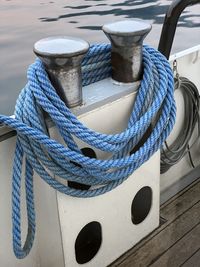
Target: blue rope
48	158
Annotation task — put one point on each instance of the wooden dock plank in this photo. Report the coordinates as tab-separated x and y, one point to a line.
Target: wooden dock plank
181	203
193	261
183	212
158	245
181	251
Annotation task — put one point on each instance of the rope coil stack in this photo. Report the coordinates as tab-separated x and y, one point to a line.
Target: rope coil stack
48	158
181	146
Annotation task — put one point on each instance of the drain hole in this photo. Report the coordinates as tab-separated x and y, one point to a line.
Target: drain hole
89	152
78	186
88	242
141	205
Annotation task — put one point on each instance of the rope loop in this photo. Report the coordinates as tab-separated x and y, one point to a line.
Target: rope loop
50	159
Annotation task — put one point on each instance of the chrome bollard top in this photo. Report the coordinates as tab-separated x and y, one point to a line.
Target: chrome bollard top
62	56
126	56
60	46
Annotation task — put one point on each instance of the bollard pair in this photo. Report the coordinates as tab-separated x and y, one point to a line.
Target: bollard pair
62	57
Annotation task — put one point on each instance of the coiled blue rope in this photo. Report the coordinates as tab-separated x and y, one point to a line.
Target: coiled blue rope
48	158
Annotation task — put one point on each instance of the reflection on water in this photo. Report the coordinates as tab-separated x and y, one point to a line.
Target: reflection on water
24	22
144	9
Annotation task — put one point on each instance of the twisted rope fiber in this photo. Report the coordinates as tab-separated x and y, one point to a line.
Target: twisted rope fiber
48	158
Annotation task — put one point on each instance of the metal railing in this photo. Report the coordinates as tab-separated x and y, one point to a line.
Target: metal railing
170	24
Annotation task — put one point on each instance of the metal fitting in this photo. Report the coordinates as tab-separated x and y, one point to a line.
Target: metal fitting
62	58
126	56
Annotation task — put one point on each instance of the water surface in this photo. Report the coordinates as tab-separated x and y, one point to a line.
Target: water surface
25	22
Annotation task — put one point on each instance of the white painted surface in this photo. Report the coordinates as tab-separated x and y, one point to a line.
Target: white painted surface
113	209
49	242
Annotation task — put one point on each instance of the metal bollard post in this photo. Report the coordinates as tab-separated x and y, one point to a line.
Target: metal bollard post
62	58
126	56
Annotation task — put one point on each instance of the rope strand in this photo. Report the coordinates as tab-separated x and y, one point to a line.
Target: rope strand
48	158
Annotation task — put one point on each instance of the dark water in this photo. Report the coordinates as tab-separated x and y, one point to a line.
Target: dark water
24	22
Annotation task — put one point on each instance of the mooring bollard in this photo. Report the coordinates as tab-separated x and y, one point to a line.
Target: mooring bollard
126	56
62	58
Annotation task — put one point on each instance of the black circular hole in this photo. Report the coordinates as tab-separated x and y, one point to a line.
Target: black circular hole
89	152
88	242
141	205
78	186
